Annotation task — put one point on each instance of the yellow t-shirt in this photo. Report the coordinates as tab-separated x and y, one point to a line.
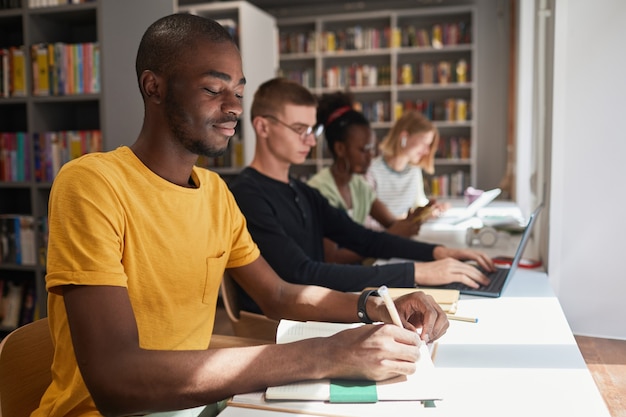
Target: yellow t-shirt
112	221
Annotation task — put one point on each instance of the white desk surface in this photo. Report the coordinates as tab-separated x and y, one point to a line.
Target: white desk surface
520	359
454	236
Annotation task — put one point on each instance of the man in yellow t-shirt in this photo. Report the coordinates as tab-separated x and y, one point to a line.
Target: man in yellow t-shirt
139	239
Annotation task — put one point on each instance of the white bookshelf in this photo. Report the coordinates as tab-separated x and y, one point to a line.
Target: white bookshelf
305	56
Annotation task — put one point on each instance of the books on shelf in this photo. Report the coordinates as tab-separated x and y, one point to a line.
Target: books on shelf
17	239
13	70
10	304
10	4
447	185
14	156
65	69
50	3
357	37
454	147
17	303
53	149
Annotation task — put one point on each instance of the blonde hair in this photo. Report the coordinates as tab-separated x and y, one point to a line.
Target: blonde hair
412	122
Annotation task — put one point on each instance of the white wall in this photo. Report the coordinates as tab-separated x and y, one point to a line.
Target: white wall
587	261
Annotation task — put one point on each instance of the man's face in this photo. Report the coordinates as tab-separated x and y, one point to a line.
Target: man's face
204	98
285	140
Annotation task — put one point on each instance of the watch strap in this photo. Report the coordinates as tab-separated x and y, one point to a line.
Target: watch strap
361	311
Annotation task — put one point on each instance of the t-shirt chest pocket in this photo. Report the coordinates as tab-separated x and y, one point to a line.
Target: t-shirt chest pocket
215	266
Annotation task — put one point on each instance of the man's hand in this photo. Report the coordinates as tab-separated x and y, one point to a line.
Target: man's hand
481	258
446	271
419	310
374	352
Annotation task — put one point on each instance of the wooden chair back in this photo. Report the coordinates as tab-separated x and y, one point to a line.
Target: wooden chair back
25	362
245	324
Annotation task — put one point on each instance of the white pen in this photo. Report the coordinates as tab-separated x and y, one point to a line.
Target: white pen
391	307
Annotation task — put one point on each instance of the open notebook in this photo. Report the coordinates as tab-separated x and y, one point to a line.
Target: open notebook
423	385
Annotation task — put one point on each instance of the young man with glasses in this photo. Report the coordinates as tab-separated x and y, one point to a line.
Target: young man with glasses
289	219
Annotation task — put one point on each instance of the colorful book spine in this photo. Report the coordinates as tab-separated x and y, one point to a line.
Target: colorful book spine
17	74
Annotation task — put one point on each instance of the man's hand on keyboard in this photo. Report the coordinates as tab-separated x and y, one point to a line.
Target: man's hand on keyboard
481	258
446	271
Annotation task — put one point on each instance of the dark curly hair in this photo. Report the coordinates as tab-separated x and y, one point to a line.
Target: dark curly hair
337	113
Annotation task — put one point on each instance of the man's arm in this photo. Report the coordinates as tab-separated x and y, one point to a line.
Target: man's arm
271	225
280	299
125	379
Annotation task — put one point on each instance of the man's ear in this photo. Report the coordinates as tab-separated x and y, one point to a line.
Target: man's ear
151	85
260	126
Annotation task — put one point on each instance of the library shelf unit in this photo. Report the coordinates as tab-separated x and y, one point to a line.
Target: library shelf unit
390	60
255	32
112	108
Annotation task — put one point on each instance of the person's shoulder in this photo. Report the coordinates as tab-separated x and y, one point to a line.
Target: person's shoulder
92	164
245	178
377	163
360	181
320	178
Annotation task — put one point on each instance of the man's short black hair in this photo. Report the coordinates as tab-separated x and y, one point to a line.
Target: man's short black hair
166	41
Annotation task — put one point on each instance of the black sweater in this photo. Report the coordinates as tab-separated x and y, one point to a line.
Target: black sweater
289	221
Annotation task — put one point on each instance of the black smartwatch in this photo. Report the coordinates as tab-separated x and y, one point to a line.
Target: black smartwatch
361	311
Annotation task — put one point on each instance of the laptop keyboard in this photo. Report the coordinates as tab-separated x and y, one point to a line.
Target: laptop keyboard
496	279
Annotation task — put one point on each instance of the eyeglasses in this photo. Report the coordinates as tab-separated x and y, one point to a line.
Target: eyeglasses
302	130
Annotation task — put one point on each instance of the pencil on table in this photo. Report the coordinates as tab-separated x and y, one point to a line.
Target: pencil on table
461	318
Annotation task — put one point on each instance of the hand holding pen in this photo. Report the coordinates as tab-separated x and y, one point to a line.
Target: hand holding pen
416	310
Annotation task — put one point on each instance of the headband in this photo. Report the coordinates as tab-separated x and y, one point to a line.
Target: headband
337	114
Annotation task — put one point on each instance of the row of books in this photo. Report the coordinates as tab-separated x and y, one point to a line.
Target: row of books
50	3
10	4
447	185
437	35
374	111
446	110
363	75
14	156
50	151
18	303
64	69
53	149
454	147
350	38
17	239
57	69
356	75
12	72
360	38
441	72
305	77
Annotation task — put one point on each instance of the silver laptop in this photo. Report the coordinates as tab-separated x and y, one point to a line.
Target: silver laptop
456	216
501	277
